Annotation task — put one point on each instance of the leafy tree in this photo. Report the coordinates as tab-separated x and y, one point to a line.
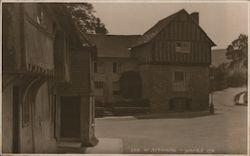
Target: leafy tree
234	73
237	51
131	85
83	14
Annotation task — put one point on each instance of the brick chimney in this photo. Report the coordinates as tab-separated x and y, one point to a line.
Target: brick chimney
195	16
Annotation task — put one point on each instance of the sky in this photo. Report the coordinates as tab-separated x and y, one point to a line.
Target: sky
223	22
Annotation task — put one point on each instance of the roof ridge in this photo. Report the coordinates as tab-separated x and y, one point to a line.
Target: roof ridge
174	14
161	24
112	45
170	16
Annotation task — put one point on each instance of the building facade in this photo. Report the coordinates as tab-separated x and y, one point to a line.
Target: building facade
113	59
173	59
46	105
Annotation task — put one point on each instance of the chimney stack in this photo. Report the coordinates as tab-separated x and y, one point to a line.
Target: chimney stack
195	16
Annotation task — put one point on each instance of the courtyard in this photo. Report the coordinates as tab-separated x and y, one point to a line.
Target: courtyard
222	133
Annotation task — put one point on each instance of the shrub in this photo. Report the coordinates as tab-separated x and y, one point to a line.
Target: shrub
131	85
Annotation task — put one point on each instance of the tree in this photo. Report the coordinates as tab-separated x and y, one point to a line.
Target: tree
83	14
237	51
131	85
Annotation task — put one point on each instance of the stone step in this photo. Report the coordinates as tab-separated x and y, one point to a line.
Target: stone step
69	144
70	147
108	113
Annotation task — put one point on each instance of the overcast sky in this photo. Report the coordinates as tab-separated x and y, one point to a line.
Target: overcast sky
223	22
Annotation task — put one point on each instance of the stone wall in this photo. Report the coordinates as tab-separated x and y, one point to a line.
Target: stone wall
43	124
7	119
37	134
158	85
108	77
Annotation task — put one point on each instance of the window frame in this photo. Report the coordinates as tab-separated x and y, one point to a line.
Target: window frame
180	84
183	76
114	67
183	47
99	67
116	87
99	84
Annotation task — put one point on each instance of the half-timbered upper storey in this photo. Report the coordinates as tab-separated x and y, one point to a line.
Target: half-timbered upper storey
39	30
38	38
177	39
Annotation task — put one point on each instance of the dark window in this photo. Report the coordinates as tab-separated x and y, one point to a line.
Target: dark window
99	84
95	67
182	47
99	67
116	88
114	67
180	104
179	76
116	85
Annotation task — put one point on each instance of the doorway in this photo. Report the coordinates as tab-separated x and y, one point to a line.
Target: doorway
70	117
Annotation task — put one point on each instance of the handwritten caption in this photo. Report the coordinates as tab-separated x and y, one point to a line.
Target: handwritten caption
171	150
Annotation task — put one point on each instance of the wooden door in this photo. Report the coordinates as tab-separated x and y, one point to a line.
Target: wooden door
70	117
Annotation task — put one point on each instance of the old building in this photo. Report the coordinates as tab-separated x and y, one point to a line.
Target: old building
173	58
113	59
47	75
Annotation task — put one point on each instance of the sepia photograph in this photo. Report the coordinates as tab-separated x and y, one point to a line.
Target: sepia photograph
142	77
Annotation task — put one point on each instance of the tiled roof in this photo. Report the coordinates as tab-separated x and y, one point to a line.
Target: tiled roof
158	27
112	45
153	31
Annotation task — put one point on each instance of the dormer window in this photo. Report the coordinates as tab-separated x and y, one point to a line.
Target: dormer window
182	47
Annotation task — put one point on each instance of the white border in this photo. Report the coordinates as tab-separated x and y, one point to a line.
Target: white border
122	1
127	1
